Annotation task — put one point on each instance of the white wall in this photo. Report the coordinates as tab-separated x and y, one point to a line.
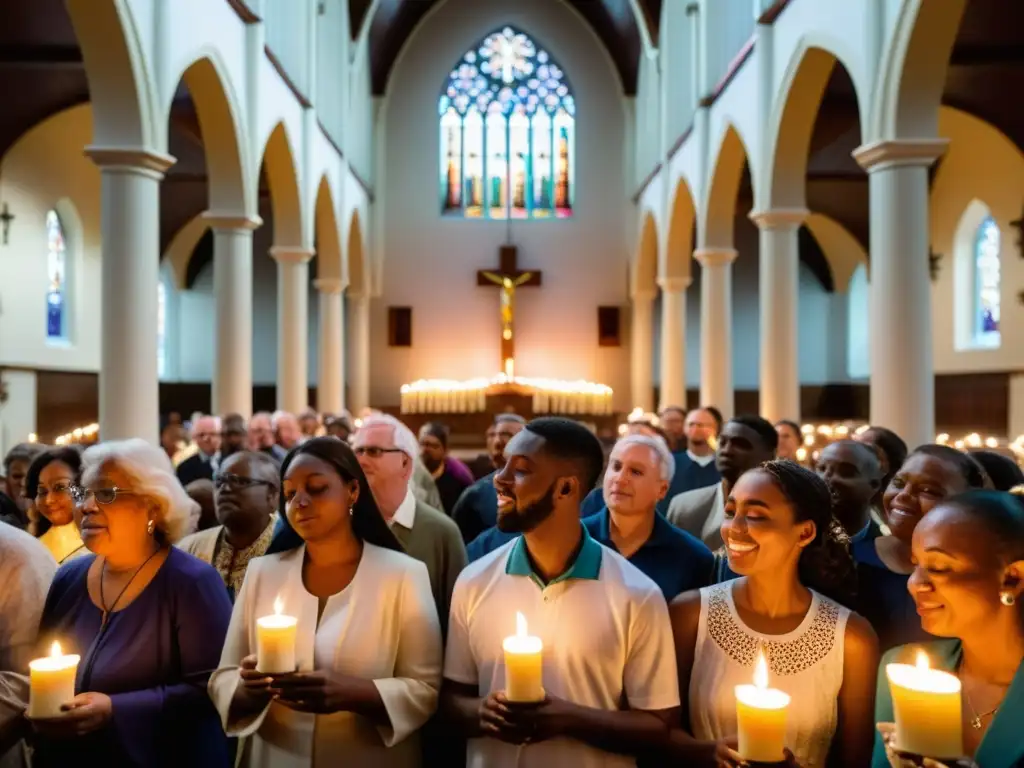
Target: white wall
859	354
18	414
429	260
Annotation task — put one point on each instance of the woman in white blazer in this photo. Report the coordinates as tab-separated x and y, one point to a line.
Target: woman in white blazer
368	649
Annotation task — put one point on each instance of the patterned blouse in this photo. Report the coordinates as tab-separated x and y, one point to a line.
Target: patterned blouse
231	563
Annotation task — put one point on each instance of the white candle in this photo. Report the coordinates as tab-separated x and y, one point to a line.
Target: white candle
275	642
51	683
927	709
761	717
523	665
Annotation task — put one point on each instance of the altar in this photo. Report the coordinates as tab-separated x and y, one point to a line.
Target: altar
544	396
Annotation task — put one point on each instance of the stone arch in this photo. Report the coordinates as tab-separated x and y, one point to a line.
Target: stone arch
120	83
283	180
844	252
793	120
679	248
330	264
230	192
912	73
645	266
358	269
727	173
179	251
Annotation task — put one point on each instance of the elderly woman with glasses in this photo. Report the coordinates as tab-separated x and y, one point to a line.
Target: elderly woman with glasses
147	619
50	480
245	498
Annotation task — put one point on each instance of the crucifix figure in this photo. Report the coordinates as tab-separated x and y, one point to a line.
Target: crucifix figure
6	217
508	278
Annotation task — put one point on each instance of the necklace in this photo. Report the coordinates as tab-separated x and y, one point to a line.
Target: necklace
103	600
976	720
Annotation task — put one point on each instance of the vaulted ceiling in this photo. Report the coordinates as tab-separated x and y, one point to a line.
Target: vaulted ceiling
614	21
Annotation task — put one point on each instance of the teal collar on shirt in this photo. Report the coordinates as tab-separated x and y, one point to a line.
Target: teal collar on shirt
586	565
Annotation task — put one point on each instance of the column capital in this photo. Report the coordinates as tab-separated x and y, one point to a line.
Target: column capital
715	257
779	218
290	254
674	284
138	159
333	285
899	152
223	220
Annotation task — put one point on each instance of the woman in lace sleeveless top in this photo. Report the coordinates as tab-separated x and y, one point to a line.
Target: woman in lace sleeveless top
795	575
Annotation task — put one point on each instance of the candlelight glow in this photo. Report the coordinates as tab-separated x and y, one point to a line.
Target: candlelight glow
521	630
278	606
761	671
922	660
470	396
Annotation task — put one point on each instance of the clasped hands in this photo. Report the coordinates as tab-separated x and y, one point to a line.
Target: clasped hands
318	693
522	723
897	760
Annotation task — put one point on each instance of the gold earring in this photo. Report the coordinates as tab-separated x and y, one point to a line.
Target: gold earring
1007	598
149	527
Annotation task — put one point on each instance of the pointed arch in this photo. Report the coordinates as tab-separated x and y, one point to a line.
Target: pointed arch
844	253
283	180
120	83
793	121
329	259
645	266
679	249
723	191
912	73
358	269
231	191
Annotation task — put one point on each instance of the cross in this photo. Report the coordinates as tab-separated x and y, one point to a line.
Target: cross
508	278
1019	226
6	217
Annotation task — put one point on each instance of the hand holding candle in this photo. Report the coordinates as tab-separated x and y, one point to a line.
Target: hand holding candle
926	705
523	665
275	642
51	684
761	717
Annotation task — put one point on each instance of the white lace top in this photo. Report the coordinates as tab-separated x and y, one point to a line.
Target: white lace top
806	663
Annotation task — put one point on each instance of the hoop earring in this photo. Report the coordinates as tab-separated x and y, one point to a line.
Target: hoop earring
150	527
1007	599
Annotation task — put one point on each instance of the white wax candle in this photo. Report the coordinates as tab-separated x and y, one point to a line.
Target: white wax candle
51	683
523	665
927	709
761	717
275	642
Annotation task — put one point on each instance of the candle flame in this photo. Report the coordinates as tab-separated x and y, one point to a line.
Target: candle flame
278	606
922	660
55	651
761	671
520	625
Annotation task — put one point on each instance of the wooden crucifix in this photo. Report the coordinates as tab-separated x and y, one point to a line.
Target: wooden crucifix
6	218
508	278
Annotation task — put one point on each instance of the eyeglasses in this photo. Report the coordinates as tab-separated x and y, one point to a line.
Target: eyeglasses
238	482
102	495
375	452
59	489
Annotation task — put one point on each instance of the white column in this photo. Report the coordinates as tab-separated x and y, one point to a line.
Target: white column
673	341
642	343
130	233
330	395
292	327
359	346
779	287
232	290
902	372
716	328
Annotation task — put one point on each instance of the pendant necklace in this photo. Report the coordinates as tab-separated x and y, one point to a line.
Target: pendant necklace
976	720
103	601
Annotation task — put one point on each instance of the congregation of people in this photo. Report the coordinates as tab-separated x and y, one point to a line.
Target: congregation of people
656	569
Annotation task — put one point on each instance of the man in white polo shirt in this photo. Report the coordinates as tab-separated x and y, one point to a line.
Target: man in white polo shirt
609	662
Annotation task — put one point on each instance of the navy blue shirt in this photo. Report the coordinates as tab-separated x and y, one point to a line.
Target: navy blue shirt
477	508
673	559
883	599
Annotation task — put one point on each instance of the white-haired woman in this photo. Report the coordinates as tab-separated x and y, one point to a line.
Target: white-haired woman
147	619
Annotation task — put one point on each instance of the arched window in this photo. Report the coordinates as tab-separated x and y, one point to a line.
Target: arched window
507	118
161	329
56	275
986	281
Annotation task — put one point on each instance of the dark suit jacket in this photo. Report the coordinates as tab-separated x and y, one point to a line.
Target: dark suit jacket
700	512
195	467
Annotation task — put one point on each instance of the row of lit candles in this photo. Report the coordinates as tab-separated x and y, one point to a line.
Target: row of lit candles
549	395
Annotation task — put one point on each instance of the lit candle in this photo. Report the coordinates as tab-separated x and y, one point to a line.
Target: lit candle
926	703
275	642
51	683
761	717
523	665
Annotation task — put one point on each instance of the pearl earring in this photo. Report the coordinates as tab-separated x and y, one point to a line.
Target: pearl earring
1007	598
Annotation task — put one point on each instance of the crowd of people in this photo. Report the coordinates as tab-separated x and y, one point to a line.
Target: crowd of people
655	569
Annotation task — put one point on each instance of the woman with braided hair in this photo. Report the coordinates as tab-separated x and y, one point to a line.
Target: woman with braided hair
795	575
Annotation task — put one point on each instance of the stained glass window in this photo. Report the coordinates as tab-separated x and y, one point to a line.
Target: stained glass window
56	275
986	279
508	122
161	329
